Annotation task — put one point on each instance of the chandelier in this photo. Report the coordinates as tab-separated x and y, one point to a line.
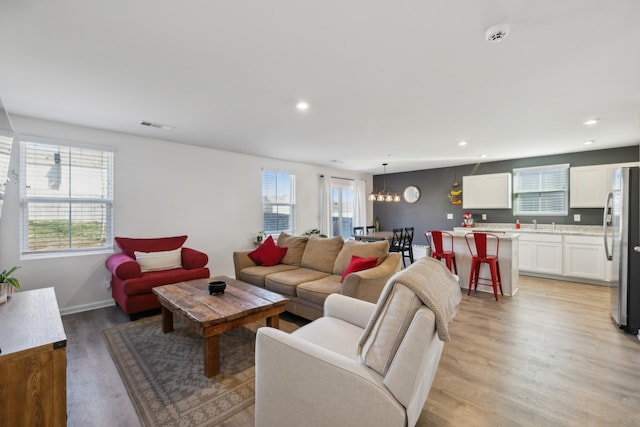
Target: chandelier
386	195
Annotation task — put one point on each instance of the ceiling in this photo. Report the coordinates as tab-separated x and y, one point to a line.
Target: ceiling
399	82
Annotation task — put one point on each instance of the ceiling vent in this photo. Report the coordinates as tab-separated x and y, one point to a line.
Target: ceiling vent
157	125
497	33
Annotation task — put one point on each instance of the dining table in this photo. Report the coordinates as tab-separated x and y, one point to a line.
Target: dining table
374	236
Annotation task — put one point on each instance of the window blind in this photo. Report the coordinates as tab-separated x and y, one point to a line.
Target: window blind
67	197
278	202
541	190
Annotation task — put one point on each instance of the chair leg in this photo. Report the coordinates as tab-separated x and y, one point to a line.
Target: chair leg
499	278
455	267
448	262
471	276
494	279
477	275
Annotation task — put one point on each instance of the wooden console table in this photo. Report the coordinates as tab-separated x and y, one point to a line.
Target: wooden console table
33	360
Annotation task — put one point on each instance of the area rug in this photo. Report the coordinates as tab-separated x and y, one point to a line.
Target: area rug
164	373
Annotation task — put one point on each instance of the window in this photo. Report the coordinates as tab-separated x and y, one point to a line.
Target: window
342	207
541	190
278	202
66	198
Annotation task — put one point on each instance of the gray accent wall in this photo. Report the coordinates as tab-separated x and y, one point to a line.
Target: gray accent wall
430	212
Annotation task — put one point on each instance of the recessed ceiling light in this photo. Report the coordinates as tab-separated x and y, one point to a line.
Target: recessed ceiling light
302	106
590	122
483	156
462	143
589	142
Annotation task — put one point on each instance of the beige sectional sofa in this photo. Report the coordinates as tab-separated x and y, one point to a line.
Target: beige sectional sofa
312	268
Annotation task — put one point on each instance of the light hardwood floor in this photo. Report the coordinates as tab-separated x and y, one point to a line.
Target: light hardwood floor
549	356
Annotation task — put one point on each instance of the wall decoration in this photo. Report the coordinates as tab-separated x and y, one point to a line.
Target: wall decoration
455	195
411	194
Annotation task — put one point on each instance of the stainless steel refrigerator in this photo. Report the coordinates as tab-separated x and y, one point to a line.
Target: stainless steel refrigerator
622	247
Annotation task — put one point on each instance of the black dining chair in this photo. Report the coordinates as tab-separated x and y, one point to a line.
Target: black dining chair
407	245
402	241
358	231
395	245
371	229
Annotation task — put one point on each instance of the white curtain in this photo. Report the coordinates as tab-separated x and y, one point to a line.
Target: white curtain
325	205
359	204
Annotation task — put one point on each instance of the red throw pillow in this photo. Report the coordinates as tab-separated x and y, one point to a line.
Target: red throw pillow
268	253
358	264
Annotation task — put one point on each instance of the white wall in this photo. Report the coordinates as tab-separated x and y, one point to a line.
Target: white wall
161	189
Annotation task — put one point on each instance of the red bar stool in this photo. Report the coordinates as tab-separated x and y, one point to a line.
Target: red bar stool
435	239
480	254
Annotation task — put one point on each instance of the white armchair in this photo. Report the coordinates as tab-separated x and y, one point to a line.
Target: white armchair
361	364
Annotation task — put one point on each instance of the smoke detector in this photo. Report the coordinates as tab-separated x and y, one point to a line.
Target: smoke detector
497	33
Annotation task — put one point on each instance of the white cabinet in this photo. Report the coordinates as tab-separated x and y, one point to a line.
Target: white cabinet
584	258
541	253
490	191
588	185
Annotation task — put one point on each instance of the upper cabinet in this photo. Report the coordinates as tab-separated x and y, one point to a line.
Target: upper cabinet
491	191
589	185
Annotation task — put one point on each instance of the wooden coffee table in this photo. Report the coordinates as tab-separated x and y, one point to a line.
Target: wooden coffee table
211	315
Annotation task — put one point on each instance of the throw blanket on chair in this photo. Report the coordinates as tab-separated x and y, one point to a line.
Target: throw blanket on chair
434	285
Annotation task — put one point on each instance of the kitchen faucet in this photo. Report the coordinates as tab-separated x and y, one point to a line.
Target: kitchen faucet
535	224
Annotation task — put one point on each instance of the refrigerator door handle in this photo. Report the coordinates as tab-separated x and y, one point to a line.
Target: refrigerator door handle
605	225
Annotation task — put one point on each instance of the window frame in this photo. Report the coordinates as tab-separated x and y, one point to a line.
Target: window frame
342	185
29	142
547	194
291	205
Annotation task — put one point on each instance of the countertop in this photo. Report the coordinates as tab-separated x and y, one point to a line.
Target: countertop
577	230
502	234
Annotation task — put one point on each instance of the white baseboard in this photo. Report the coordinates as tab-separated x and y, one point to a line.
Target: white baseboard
87	307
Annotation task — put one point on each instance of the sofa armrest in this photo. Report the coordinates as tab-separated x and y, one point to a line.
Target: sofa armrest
367	284
241	260
352	310
192	259
123	266
314	386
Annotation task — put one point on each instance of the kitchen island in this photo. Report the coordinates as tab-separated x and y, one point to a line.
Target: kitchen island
507	259
563	252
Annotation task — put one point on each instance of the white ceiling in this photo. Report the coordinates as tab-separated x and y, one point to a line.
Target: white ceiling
388	81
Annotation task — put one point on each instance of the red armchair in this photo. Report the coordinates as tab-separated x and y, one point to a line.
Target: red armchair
131	286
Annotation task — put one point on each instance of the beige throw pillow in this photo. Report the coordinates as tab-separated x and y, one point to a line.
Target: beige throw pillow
321	252
157	261
378	250
295	245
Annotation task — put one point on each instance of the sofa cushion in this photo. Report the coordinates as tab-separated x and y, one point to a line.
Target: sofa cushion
378	250
255	275
143	285
267	253
130	245
285	282
321	252
358	264
158	261
332	334
295	248
318	290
